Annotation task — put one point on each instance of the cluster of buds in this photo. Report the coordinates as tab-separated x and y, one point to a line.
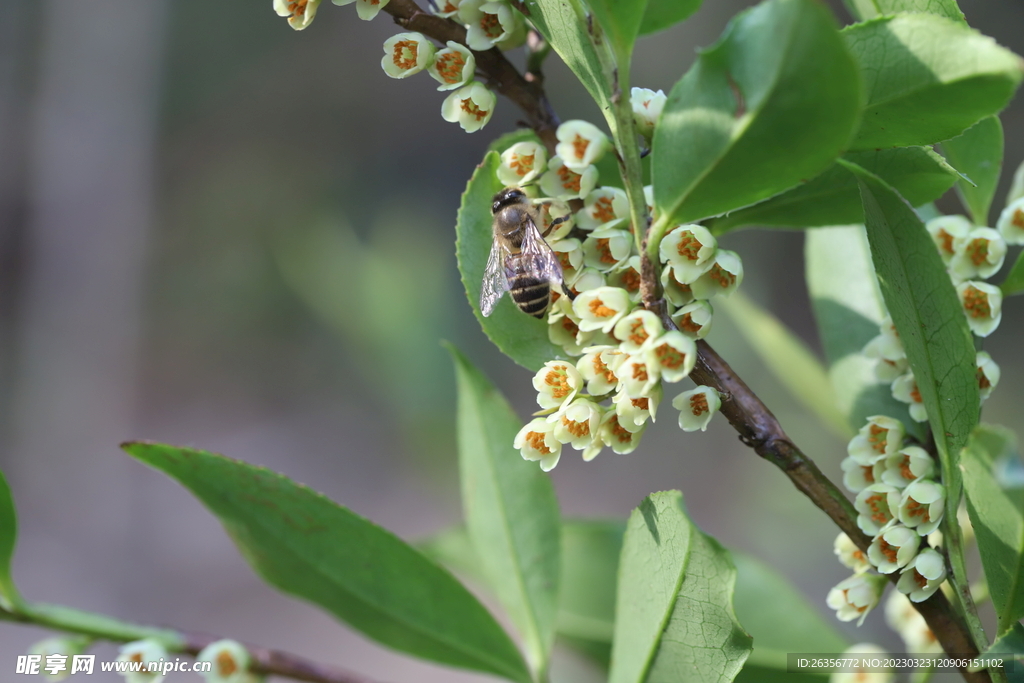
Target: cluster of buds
621	352
899	504
971	254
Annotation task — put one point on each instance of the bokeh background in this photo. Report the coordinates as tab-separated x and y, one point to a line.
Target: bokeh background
216	231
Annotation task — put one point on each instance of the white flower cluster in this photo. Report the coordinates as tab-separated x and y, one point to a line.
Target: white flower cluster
898	503
971	254
622	351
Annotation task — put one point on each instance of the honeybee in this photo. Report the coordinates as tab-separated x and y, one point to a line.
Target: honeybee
521	262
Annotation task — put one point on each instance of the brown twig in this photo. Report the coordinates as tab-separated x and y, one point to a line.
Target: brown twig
499	72
759	429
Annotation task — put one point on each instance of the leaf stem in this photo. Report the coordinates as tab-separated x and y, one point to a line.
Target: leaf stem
101	627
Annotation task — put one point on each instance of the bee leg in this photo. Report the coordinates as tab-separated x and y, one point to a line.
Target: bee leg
568	292
557	221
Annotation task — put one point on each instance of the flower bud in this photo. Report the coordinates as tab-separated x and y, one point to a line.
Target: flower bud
853	597
406	54
300	13
849	554
983	304
647	107
453	67
580	144
471	106
1011	222
696	408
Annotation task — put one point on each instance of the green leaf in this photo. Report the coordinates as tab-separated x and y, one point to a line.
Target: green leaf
511	511
997	514
789	359
978	154
590	563
522	338
1016	185
1010	644
779	617
928	79
1014	282
848	309
734	130
674	614
833	198
563	24
305	544
753	673
869	9
928	317
620	20
661	14
9	596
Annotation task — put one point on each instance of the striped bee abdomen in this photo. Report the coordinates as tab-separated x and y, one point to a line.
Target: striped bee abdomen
531	294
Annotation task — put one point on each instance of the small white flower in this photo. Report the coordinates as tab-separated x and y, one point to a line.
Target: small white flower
678	293
904	389
603	205
569	252
536	441
635	411
881	436
636	376
920	505
637	329
647	106
696	408
888	370
876	507
230	662
906	465
406	54
490	23
903	617
694	319
471	106
577	423
588	279
922	576
447	8
57	653
1011	222
887	345
622	437
857	476
690	250
601	308
607	248
893	548
649	200
142	652
983	305
672	355
627	276
862	652
978	254
849	554
580	144
300	13
988	374
722	278
552	210
521	163
557	383
564	183
565	332
944	231
853	597
453	67
598	366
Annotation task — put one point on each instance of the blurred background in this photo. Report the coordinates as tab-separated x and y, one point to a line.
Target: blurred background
218	232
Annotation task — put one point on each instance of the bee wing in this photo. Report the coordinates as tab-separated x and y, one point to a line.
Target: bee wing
539	255
495	283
